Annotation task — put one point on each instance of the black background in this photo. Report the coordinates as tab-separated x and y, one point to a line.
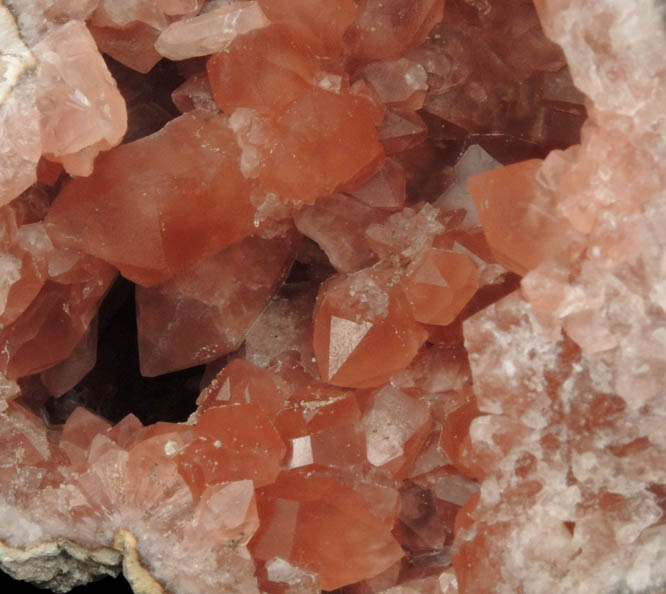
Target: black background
115	585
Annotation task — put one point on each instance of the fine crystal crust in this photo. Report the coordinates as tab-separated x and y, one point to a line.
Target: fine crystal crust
417	245
15	58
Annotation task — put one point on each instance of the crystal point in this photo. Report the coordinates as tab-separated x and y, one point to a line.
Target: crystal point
147	231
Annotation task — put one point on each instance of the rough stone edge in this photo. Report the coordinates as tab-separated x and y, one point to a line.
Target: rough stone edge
139	578
15	56
59	565
62	564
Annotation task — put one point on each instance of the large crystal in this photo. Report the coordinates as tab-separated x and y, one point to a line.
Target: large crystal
205	311
145	225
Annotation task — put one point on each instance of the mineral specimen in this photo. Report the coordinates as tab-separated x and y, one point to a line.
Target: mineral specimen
419	247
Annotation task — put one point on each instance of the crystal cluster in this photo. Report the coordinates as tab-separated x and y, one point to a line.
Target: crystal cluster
419	248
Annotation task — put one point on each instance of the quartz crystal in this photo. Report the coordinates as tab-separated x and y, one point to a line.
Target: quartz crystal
417	245
210	306
57	98
145	225
210	32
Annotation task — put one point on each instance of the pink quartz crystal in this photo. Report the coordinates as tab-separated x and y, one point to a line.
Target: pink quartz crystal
356	316
430	299
210	32
88	114
207	309
338	225
151	233
70	110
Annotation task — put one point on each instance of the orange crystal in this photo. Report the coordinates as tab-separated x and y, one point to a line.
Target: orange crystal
301	140
319	143
386	189
333	530
440	285
232	443
240	382
515	228
321	24
58	316
388	408
122	45
135	210
358	316
283	69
